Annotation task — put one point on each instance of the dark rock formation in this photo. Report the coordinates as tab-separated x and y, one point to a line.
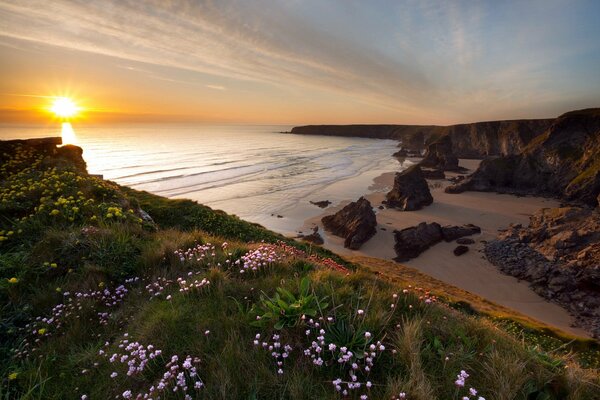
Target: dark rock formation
473	140
314	237
559	254
410	191
564	162
356	223
439	155
433	174
460	250
321	204
465	241
451	233
410	242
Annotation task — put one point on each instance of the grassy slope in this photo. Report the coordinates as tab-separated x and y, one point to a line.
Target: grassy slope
94	243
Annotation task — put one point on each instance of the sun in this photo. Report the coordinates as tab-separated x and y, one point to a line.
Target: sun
64	107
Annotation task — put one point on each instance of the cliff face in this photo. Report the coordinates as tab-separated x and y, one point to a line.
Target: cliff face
47	148
564	161
468	140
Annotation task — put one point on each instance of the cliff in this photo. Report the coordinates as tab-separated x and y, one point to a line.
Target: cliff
472	140
564	161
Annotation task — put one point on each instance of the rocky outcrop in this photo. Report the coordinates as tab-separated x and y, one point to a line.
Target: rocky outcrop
474	140
439	155
314	237
559	254
410	191
410	242
451	233
356	223
460	250
53	156
563	162
321	204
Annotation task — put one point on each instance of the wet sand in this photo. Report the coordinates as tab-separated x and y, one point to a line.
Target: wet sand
471	271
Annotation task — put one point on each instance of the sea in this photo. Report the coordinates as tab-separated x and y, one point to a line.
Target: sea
256	172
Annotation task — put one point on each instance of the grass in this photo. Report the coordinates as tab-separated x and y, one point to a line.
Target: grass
88	285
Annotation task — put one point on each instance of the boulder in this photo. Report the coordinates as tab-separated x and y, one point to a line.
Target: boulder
356	223
410	242
321	203
439	155
451	233
460	250
314	237
410	191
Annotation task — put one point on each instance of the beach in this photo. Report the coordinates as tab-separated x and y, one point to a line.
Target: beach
471	271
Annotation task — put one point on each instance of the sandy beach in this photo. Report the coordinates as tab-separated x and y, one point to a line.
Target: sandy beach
471	271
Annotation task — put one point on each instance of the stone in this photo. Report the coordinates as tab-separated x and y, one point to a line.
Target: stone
356	223
460	250
321	203
439	155
410	242
451	233
465	241
410	191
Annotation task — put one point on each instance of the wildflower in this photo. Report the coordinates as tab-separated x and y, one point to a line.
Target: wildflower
42	331
473	392
84	397
53	265
402	395
368	335
13	376
169	297
13	280
113	375
127	394
360	312
206	333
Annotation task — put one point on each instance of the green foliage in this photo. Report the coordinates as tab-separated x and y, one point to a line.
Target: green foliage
286	309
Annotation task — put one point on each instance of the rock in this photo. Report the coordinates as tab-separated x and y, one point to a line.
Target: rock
559	254
433	174
460	250
410	191
402	153
562	162
279	216
356	223
465	241
439	155
145	216
451	233
381	207
314	237
410	242
321	204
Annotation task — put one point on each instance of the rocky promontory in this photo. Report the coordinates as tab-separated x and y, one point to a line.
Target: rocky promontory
410	191
559	254
439	156
472	140
563	162
356	223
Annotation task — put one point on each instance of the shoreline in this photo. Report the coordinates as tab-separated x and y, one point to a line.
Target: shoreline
471	271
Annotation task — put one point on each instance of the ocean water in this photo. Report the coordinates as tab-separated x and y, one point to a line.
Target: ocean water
252	171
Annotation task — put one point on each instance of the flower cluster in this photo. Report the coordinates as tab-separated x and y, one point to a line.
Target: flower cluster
179	375
188	286
260	258
101	301
198	253
460	381
278	350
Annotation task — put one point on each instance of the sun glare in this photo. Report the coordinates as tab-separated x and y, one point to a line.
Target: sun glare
64	107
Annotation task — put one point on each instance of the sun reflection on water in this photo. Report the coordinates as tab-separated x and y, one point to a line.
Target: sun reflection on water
68	134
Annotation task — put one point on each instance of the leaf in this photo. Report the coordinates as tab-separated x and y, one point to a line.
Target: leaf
279	325
304	285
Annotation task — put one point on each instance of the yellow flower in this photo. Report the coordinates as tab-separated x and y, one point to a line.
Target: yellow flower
58	289
101	284
42	331
13	280
53	265
13	376
109	215
54	212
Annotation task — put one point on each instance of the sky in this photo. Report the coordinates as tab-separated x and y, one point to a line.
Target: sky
300	61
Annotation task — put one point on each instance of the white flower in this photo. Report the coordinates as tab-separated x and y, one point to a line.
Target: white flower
360	312
473	392
368	335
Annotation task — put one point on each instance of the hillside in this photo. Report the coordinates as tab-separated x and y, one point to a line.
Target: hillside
108	292
473	140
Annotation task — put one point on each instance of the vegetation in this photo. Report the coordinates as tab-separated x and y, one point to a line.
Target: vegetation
99	301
